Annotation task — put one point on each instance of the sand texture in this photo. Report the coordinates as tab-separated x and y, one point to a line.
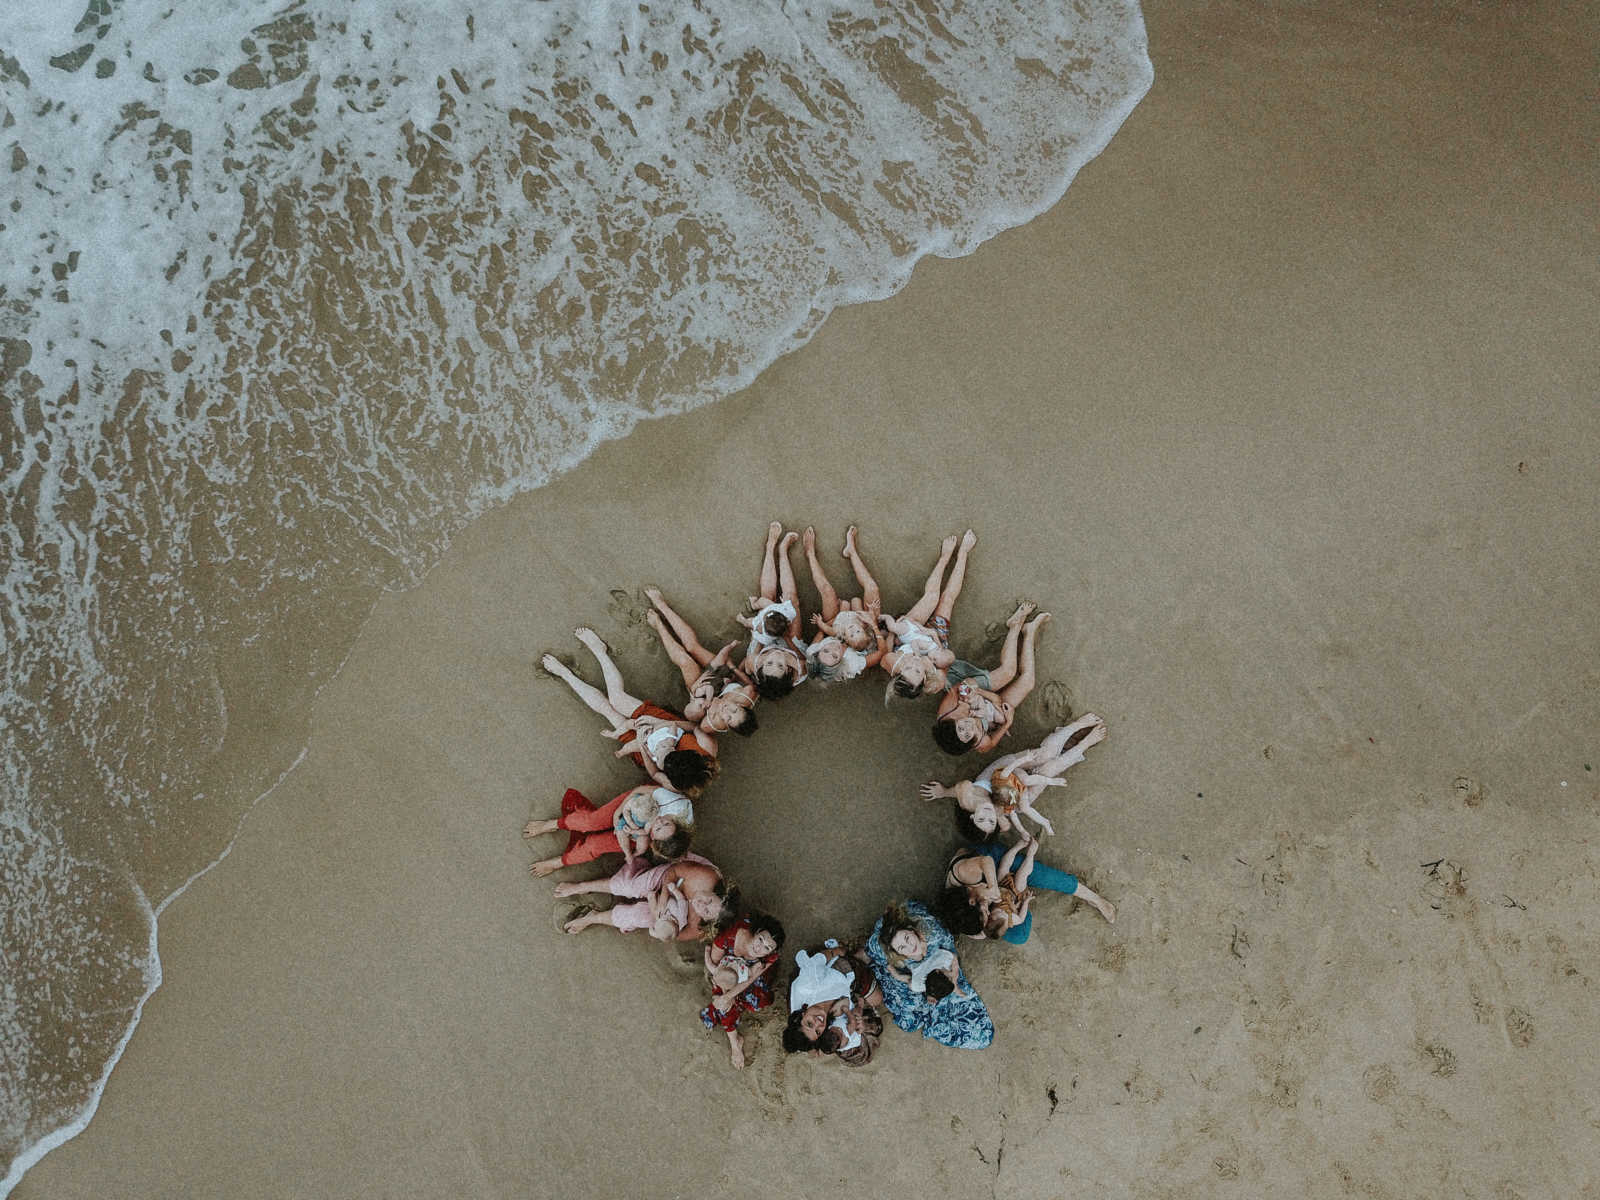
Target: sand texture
1288	413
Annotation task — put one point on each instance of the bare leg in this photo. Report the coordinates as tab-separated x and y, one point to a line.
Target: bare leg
958	576
1017	690
1056	743
786	588
616	690
829	597
588	693
1097	902
1007	670
681	629
769	564
929	600
579	924
869	586
681	658
736	1049
582	887
538	828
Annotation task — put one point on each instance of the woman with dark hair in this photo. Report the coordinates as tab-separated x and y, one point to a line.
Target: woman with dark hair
848	639
833	1005
643	819
1007	787
775	659
669	748
979	706
921	655
739	961
721	696
914	958
989	891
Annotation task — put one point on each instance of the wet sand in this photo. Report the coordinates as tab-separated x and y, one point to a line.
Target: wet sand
1287	413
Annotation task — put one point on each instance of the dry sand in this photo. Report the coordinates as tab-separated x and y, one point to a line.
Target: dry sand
1289	413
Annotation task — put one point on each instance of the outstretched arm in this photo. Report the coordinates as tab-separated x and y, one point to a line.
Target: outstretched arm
1027	807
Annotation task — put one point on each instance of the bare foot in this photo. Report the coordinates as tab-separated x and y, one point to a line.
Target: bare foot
736	1051
789	539
544	866
653	619
588	637
583	920
808	539
850	550
1095	735
1108	910
774	532
555	666
567	889
1034	624
1023	609
653	595
948	545
539	828
968	540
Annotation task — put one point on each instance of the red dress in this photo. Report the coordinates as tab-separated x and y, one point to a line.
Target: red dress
755	997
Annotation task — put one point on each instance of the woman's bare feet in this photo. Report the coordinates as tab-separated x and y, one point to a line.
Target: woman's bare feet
1018	617
808	541
849	550
535	829
1096	735
789	539
544	866
555	666
581	922
947	546
590	639
968	540
1033	625
572	887
653	595
736	1049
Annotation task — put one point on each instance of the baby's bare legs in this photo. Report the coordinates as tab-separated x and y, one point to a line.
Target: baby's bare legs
769	564
929	600
616	690
830	598
1017	690
958	576
870	596
681	658
681	629
588	693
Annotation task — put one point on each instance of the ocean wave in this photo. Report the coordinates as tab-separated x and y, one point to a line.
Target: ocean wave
290	294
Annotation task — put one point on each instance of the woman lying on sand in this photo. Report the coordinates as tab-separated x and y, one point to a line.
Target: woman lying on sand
980	705
994	801
989	891
670	749
924	989
657	890
921	653
848	639
776	659
721	696
833	1005
739	961
644	819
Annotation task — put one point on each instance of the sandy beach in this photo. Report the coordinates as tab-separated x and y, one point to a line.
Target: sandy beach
1287	413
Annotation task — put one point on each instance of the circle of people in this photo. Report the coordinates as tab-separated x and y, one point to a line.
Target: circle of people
908	964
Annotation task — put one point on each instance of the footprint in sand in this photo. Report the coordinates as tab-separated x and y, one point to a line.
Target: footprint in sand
1378	1082
1469	791
1056	698
1519	1028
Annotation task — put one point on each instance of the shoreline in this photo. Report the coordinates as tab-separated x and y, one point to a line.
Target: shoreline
386	877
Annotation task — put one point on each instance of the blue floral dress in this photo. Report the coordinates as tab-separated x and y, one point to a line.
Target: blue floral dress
959	1021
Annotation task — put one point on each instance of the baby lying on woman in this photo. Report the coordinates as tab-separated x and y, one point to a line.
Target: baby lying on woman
776	659
996	800
848	639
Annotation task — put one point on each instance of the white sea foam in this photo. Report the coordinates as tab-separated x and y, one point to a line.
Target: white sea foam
288	293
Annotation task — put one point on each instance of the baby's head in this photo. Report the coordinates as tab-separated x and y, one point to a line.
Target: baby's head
938	986
665	927
775	624
669	841
996	923
1006	789
858	636
910	677
730	714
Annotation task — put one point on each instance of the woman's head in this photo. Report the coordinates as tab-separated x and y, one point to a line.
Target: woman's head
825	659
957	736
776	671
981	826
958	911
731	713
901	936
766	935
710	905
910	676
806	1025
688	771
